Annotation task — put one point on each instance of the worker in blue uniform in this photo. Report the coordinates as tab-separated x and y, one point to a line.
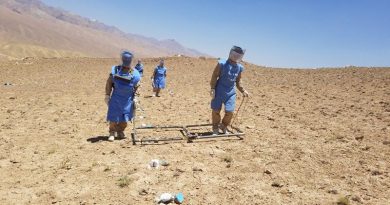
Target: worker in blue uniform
158	78
121	86
140	68
226	76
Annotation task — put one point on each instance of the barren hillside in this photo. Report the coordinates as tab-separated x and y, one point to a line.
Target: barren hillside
30	28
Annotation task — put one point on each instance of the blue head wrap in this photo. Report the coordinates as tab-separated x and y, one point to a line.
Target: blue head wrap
127	57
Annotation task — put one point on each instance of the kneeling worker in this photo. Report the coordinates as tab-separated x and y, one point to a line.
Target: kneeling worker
227	74
121	86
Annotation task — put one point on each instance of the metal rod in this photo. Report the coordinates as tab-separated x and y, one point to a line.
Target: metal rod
221	135
186	133
189	135
134	134
159	127
160	140
133	138
199	125
237	129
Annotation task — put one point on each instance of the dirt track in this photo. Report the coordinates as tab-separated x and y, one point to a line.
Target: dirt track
313	136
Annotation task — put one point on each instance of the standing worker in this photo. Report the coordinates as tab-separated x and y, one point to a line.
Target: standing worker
227	74
158	78
139	67
121	86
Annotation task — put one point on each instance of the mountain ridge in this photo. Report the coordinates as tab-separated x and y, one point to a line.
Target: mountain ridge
33	23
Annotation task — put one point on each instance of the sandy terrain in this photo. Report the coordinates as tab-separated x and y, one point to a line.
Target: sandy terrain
313	137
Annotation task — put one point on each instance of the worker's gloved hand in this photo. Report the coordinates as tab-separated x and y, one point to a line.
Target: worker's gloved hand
107	99
212	93
245	93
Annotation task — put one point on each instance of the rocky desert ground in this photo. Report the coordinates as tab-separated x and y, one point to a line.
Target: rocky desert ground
313	136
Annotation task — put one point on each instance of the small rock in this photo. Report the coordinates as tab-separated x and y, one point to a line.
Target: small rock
386	142
366	148
376	172
270	118
286	192
13	161
179	170
359	138
228	159
143	192
250	126
357	199
7	84
12	98
267	172
277	184
164	163
176	174
333	191
197	169
367	198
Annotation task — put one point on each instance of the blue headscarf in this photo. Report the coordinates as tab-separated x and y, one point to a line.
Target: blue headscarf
127	57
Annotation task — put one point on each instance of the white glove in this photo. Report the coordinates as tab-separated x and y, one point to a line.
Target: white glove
107	99
212	93
245	93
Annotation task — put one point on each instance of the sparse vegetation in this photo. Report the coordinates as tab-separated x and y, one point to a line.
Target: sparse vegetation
343	201
51	151
124	181
94	164
65	164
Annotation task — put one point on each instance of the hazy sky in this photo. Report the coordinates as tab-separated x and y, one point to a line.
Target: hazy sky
278	33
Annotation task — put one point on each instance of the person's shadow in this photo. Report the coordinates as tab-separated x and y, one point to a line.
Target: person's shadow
101	138
97	139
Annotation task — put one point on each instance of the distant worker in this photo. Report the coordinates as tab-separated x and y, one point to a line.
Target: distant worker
227	74
140	67
121	85
158	78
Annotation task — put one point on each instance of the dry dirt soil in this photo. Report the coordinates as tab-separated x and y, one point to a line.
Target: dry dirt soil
312	137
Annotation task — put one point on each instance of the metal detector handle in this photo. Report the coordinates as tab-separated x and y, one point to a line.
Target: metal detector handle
134	134
238	110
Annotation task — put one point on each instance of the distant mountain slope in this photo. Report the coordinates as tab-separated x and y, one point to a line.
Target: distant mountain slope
29	25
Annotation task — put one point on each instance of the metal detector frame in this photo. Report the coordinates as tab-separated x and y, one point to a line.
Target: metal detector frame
186	135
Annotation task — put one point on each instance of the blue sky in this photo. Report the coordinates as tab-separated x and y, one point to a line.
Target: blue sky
278	33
